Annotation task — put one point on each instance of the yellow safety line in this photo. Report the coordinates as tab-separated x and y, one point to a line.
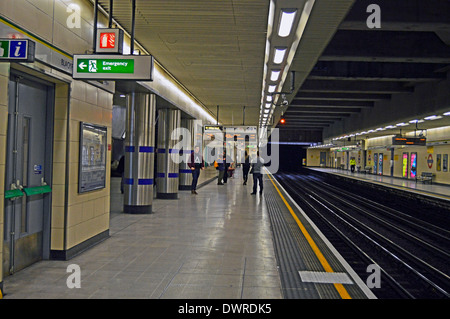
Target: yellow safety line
339	287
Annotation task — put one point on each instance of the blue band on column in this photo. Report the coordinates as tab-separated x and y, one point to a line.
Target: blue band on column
129	149
173	175
145	181
185	171
173	150
160	175
146	149
128	181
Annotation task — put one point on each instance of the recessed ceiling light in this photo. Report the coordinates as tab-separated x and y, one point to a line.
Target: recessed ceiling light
279	55
433	117
275	75
286	22
272	88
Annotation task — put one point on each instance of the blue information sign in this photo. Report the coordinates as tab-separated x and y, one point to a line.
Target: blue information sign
17	50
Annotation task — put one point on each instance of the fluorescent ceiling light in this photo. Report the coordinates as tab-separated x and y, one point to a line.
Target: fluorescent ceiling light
275	75
272	88
447	114
402	124
266	111
390	126
268	105
433	117
286	22
269	98
279	55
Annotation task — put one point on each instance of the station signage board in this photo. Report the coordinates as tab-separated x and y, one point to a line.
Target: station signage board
17	50
113	67
397	140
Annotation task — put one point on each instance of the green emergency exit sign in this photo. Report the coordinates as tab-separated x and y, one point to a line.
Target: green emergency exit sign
105	66
113	67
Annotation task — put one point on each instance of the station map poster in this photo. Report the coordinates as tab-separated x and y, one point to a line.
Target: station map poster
92	164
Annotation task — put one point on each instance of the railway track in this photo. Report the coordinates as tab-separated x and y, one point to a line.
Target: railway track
413	255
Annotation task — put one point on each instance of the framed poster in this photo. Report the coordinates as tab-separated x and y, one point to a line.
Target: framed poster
445	163
405	161
92	161
438	162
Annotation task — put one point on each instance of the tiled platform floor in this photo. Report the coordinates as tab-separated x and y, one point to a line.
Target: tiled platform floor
217	244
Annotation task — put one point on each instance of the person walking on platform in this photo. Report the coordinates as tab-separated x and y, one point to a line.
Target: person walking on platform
196	164
221	168
121	170
246	167
227	162
257	174
352	164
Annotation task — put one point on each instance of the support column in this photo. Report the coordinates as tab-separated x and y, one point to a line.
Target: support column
167	169
185	171
139	153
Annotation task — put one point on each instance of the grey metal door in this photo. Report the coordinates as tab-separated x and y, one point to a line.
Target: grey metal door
26	170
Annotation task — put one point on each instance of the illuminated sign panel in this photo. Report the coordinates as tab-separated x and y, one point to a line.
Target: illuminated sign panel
409	141
109	41
113	67
17	50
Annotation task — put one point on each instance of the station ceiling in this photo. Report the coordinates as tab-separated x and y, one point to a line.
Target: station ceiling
217	50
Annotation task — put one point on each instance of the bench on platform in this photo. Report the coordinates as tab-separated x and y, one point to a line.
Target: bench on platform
425	177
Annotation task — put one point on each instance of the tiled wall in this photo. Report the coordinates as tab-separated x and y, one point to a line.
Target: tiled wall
87	214
4	74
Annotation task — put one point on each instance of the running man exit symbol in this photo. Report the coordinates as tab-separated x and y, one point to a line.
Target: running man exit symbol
92	65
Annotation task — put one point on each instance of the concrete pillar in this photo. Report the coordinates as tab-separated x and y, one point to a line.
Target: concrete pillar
139	153
185	180
167	169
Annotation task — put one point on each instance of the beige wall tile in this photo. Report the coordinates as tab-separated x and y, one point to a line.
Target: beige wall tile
2	149
58	195
58	217
57	238
59	152
61	108
99	206
91	94
87	210
60	130
2	185
4	81
59	173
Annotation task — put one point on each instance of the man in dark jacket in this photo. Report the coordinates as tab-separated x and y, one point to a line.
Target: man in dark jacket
196	164
257	167
221	169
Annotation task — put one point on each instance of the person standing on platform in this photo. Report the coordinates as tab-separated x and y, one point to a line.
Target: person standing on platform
221	168
352	164
257	174
196	164
227	162
246	167
121	170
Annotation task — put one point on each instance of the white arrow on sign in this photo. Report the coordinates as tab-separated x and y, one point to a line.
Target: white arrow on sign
82	65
